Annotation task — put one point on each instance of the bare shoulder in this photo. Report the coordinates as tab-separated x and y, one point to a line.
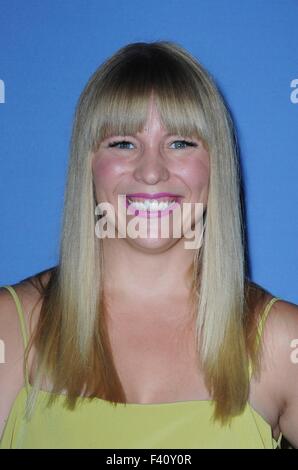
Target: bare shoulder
12	345
280	354
281	323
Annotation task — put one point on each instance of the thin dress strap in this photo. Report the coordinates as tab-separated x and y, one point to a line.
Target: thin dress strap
23	328
261	325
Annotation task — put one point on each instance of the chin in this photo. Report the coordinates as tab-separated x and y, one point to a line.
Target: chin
152	245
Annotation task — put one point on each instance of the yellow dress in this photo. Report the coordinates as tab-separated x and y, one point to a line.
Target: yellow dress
98	424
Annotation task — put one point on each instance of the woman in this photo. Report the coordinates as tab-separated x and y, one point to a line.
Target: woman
142	342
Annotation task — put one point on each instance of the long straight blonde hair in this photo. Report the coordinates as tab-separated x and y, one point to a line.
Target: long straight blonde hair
71	341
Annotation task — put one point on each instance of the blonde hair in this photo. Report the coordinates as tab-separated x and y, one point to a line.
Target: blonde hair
71	338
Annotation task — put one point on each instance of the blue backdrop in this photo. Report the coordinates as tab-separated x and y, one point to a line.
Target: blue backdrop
49	48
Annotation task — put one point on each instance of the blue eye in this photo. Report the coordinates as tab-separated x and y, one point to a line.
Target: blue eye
122	144
182	144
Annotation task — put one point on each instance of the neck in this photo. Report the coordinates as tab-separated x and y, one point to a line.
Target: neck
146	277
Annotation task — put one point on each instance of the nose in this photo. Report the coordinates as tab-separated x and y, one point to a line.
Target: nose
151	166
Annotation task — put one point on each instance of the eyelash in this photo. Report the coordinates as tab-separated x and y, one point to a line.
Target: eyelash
189	143
114	144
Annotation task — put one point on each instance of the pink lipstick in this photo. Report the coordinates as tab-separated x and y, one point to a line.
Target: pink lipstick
153	195
140	197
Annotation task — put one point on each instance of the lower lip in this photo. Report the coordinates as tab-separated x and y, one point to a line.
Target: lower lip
160	213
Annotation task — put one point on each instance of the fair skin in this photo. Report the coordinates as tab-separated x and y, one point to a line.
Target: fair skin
153	163
154	366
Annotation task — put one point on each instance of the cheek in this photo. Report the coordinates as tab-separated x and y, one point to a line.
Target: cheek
196	175
105	172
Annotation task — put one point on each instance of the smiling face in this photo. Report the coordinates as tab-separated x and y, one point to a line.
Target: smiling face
151	161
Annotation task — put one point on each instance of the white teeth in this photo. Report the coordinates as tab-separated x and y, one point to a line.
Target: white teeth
151	205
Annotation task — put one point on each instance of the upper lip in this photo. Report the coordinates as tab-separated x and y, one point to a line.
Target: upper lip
153	195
